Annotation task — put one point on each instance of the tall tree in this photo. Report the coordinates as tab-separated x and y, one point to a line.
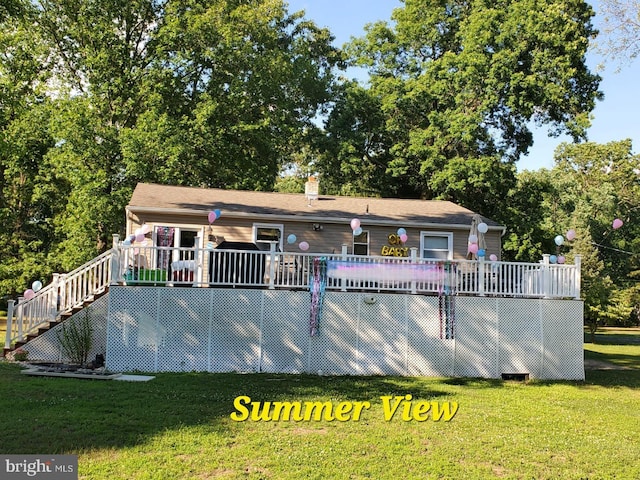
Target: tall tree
619	39
459	82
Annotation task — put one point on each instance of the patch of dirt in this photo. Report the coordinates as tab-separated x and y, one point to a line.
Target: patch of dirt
590	364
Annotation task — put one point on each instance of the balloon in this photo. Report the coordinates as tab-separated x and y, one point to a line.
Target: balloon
493	257
137	231
209	245
139	237
136	251
218	213
553	259
617	223
291	239
304	246
355	223
403	238
481	252
483	227
473	248
559	240
561	259
402	231
357	231
36	286
571	234
29	294
145	229
473	239
127	242
131	238
144	243
212	217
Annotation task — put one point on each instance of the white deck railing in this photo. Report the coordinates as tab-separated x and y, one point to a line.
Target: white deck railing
63	294
198	267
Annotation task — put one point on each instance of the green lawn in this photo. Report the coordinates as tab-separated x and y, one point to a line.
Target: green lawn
178	426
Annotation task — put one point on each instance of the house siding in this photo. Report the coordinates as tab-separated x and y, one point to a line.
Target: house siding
327	240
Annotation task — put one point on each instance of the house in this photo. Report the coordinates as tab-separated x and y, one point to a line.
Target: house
438	229
218	280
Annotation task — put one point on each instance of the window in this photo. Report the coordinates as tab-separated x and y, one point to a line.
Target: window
361	243
436	245
265	233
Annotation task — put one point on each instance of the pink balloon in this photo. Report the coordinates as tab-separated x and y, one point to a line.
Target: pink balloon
493	257
29	294
473	248
561	260
617	223
139	237
571	235
212	217
304	246
145	229
355	223
403	238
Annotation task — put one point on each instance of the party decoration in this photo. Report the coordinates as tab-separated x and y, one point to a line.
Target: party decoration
473	248
617	223
145	229
402	231
559	240
493	257
36	286
561	259
473	238
357	231
127	242
571	235
481	252
404	238
212	217
304	246
218	213
483	227
355	224
28	294
317	287
291	239
139	237
553	259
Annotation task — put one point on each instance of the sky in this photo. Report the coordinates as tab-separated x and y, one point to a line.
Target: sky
616	117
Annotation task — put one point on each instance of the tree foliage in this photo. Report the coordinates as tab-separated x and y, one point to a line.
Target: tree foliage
453	89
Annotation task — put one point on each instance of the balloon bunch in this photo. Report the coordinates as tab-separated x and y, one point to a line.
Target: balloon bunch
291	239
473	246
138	236
355	227
213	215
29	293
402	235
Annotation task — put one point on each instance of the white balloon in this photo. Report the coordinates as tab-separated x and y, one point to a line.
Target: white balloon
483	227
473	238
36	286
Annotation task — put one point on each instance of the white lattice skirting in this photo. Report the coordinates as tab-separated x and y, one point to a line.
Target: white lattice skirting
154	329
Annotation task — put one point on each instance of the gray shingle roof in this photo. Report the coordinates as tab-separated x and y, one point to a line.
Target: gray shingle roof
269	205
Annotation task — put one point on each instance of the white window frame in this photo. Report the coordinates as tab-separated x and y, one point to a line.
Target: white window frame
177	235
448	235
277	226
368	244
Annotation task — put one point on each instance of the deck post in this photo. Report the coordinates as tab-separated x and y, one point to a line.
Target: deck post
55	297
10	304
578	275
546	275
20	317
414	259
481	274
197	268
115	260
272	265
343	283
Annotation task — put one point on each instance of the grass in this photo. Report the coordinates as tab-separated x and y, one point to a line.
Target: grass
178	426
